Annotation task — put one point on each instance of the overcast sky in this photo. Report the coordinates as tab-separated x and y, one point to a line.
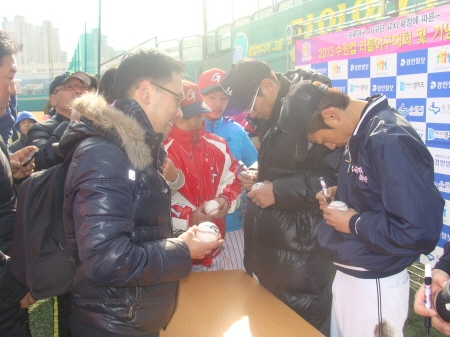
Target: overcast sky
130	22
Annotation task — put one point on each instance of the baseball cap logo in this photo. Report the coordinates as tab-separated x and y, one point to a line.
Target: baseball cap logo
228	91
190	95
216	78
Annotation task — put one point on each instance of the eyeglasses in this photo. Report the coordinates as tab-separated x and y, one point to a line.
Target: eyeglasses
72	87
251	111
179	97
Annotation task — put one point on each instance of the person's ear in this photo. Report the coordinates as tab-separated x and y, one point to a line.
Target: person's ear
330	115
266	87
52	99
144	92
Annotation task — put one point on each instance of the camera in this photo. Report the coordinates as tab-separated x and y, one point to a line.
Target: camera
442	303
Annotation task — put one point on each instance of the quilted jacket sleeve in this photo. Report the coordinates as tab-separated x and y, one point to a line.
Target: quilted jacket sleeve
105	219
44	139
298	191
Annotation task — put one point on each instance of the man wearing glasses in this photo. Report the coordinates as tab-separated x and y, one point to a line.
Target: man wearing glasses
117	215
280	227
46	135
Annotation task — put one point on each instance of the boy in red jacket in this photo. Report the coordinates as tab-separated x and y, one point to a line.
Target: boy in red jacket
210	171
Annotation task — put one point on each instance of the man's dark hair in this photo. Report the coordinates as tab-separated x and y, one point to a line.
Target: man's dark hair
105	87
94	82
144	64
8	46
331	98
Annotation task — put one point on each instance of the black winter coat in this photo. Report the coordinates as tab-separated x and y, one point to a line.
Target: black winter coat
18	144
13	319
45	136
280	240
118	224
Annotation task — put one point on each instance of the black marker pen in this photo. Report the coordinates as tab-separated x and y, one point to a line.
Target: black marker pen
427	297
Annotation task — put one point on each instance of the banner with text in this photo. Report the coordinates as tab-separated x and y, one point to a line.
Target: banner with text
408	60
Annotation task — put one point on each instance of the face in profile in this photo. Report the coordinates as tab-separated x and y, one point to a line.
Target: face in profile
262	103
8	70
165	108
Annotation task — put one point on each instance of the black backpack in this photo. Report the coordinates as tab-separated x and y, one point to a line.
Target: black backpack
39	256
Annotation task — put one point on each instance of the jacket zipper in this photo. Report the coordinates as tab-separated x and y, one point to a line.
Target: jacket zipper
194	157
130	315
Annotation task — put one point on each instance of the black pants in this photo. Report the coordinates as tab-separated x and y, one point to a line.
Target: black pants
13	320
64	308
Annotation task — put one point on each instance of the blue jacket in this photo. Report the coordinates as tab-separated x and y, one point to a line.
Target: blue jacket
241	148
20	143
8	119
387	175
22	116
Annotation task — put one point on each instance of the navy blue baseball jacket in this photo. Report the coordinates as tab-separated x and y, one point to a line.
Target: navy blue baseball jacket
387	175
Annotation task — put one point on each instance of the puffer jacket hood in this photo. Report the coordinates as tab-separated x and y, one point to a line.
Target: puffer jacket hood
22	116
95	111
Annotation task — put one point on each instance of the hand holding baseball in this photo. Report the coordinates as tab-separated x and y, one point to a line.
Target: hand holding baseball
263	196
339	219
197	248
222	208
199	215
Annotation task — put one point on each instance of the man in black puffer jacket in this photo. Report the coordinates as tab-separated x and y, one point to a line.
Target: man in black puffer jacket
282	222
46	135
117	204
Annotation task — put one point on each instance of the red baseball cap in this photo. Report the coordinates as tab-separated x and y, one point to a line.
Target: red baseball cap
192	103
210	80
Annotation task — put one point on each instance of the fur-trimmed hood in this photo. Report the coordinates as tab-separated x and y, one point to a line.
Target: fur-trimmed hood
113	124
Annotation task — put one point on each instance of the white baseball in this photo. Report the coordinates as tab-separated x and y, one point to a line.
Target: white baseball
257	185
207	232
211	207
340	205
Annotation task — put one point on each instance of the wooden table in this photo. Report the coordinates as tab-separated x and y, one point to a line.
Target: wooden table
232	304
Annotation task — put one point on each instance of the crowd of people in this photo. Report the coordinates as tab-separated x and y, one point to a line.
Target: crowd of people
150	149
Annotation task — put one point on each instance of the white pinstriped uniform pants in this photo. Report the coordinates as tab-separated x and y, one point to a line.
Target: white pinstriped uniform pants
369	307
231	256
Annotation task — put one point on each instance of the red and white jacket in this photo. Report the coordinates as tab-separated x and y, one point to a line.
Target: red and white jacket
209	169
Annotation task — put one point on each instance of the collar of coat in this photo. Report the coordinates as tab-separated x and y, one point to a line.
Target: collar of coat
110	122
